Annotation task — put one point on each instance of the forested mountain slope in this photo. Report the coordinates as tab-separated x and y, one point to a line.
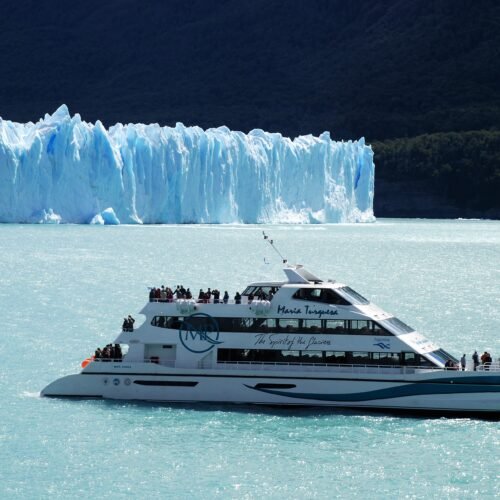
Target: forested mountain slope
384	69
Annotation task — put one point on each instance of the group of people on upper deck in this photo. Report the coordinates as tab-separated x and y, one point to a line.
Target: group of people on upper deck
486	360
166	294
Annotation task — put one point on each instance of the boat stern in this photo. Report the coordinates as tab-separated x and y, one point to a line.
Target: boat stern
77	386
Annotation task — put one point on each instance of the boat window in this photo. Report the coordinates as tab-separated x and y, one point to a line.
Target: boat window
289	325
313	325
353	296
266	290
311	357
378	330
385	358
408	358
398	325
442	356
290	356
173	322
324	295
361	327
335	357
335	326
229	355
423	361
360	358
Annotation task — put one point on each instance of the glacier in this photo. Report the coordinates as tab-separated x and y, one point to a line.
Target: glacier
65	170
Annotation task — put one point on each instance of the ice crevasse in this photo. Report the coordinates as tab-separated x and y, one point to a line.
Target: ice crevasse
63	169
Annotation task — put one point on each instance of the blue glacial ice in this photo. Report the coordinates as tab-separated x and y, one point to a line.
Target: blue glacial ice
62	169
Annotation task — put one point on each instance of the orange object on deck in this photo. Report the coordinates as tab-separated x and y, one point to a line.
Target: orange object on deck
85	362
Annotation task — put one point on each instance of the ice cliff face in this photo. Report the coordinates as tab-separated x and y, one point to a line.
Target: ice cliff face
63	169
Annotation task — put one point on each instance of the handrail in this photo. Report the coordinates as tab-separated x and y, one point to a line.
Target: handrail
403	368
489	367
243	301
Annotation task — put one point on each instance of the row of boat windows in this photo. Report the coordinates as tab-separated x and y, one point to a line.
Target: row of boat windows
273	325
321	357
343	296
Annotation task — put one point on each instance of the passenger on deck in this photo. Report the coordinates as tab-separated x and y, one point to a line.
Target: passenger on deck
463	362
216	295
118	352
201	296
106	353
189	295
225	299
152	294
475	360
237	298
486	360
131	322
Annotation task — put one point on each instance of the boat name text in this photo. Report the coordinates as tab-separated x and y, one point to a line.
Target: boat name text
309	310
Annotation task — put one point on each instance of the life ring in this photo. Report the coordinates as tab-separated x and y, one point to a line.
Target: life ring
87	361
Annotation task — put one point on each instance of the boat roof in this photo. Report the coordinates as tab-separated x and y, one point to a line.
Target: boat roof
296	274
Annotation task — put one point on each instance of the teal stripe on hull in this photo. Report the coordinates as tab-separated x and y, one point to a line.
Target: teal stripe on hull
477	380
390	393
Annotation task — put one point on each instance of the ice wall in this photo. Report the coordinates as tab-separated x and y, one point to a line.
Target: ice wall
63	169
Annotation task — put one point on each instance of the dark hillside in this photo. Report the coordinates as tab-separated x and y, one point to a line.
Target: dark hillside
383	69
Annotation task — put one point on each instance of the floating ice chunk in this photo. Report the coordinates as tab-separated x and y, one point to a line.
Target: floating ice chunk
106	217
48	217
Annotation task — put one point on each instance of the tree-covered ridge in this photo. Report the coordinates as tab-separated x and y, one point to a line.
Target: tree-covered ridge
463	166
379	69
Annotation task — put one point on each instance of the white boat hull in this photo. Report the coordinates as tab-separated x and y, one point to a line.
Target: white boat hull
439	391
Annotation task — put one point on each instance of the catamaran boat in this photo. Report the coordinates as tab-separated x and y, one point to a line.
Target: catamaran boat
302	341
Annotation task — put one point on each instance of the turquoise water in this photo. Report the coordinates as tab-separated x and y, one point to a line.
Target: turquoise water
65	289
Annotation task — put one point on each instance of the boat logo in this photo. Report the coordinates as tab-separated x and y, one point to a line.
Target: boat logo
383	345
199	333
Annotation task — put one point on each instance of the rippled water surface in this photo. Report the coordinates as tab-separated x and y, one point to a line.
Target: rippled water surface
65	289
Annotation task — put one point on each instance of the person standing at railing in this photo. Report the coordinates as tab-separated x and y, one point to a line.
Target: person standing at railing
131	322
486	360
463	362
475	360
225	299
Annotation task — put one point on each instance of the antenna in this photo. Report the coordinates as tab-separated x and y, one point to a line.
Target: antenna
271	242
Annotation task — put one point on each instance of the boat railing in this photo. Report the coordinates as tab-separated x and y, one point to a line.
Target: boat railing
489	367
152	360
244	300
350	368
